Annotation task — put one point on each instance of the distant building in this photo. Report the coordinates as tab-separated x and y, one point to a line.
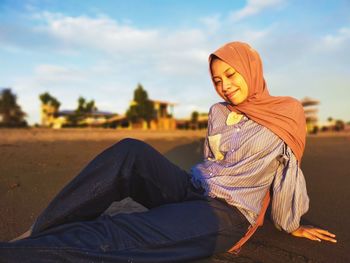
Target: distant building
311	114
163	119
48	115
52	118
188	123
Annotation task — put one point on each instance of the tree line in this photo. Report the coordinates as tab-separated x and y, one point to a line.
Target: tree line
141	108
12	115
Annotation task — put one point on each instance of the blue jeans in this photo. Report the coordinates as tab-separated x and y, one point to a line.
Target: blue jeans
182	224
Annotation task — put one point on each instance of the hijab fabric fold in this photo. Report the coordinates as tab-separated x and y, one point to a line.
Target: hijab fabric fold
284	116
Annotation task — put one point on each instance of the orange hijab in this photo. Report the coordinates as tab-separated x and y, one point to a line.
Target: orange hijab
284	116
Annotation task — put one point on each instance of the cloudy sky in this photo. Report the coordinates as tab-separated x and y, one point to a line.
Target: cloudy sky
102	49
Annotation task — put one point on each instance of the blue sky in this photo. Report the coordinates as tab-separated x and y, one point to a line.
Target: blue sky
102	49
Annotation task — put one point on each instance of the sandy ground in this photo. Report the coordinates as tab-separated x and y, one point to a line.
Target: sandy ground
35	164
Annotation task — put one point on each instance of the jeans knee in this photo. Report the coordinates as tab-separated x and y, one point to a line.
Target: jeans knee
131	144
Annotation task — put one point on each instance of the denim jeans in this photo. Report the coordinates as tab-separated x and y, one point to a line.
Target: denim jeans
182	224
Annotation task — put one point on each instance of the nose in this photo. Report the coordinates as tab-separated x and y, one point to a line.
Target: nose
226	84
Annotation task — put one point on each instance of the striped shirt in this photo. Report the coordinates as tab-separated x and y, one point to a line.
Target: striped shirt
242	161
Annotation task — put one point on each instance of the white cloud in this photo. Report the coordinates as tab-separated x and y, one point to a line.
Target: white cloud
101	33
337	40
333	50
212	23
256	36
52	73
254	7
107	35
169	51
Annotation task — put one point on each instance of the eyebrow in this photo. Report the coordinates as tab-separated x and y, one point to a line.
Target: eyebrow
224	72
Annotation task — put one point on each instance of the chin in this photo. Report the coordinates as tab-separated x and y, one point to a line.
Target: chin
234	102
239	100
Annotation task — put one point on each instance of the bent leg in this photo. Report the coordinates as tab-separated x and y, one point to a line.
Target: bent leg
177	232
128	168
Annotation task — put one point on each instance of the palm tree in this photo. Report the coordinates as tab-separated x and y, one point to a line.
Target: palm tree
46	98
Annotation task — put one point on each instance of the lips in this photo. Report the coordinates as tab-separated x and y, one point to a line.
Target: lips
231	94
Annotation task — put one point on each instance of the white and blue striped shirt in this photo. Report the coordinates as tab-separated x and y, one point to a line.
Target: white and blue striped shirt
242	161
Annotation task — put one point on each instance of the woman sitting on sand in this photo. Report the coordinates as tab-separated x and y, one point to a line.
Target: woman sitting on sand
254	144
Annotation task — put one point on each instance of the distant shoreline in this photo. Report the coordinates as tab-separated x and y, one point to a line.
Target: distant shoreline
91	134
99	134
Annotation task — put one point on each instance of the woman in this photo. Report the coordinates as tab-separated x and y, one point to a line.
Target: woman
254	143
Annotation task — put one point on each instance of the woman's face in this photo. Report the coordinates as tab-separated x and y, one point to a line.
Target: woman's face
229	84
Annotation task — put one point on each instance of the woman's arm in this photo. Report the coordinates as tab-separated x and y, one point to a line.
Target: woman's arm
290	201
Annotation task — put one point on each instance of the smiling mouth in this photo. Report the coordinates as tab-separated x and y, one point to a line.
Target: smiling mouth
231	94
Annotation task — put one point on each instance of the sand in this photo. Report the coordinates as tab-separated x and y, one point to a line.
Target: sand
36	163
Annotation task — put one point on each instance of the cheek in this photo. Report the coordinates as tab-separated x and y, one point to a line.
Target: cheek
245	90
242	84
219	92
237	81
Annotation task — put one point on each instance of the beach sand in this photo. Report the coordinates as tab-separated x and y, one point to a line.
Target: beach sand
36	163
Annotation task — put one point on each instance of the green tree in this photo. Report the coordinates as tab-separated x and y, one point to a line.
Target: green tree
84	109
194	119
142	108
46	98
10	112
339	125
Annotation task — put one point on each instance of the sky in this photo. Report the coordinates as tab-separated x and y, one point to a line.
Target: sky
102	49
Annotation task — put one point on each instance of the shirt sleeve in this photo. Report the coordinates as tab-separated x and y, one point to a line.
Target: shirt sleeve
290	200
207	153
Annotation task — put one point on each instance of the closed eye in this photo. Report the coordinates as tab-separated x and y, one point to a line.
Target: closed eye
216	82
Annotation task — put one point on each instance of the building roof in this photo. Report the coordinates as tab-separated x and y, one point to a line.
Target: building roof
94	113
309	101
310	111
164	102
117	118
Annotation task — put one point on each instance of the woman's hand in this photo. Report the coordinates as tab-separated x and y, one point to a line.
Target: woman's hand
314	233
